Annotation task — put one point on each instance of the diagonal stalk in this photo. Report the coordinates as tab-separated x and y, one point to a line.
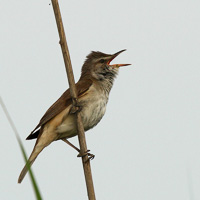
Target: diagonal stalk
35	186
80	128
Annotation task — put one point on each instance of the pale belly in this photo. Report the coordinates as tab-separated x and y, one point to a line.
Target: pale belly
92	111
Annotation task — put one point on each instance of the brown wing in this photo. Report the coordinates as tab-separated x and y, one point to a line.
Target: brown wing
63	102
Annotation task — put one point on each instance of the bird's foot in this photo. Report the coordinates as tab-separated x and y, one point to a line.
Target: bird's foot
75	109
90	156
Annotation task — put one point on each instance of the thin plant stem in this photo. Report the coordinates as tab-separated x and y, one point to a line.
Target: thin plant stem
80	128
35	186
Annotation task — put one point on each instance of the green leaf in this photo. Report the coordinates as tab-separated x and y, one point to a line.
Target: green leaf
33	181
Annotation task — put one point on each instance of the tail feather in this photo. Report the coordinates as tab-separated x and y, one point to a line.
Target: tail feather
45	137
37	149
24	171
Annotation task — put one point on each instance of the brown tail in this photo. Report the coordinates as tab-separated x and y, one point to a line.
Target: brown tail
45	137
37	149
24	171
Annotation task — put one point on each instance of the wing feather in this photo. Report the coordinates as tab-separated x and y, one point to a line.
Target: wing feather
62	103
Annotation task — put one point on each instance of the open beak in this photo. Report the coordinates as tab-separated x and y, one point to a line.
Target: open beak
114	56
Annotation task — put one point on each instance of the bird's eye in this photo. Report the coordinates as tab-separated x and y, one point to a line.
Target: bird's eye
102	61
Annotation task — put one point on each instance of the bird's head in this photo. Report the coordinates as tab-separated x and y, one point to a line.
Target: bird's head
98	65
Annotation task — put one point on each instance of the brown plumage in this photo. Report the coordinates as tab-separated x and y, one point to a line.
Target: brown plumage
93	90
63	102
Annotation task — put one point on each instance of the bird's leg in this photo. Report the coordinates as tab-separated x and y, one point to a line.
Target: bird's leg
70	144
91	156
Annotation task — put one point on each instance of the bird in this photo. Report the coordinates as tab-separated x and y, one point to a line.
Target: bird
93	89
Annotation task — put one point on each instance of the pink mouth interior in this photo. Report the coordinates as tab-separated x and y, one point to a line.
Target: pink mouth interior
110	61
